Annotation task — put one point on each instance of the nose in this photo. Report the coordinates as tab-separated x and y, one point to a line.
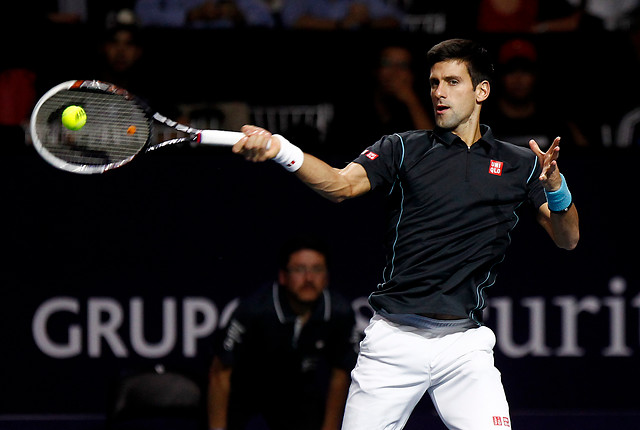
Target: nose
438	91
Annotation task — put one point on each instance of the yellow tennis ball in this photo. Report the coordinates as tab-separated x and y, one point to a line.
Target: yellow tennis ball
74	117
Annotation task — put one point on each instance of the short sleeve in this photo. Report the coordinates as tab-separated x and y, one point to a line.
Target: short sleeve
382	160
234	336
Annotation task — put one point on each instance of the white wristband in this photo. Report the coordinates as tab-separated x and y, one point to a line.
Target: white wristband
290	156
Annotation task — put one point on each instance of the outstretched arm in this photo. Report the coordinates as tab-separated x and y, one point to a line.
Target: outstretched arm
562	223
337	185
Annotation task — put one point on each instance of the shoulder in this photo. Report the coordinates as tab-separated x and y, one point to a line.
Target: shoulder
256	304
412	137
519	159
385	158
404	144
512	148
515	153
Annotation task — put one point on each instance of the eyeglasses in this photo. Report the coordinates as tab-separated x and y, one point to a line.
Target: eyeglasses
302	270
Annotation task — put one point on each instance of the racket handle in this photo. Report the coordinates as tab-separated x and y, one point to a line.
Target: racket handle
219	137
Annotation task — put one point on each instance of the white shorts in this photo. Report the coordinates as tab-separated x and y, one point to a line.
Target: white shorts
451	360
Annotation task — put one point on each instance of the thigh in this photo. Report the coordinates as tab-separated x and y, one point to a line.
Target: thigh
390	377
469	394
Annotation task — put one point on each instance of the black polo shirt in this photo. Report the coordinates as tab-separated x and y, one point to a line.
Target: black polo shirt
281	368
450	211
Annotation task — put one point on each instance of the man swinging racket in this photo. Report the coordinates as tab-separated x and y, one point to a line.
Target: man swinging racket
453	192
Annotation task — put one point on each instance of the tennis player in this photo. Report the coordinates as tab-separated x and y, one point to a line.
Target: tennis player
452	193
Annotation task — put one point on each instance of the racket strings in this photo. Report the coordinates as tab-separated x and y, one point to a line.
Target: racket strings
116	129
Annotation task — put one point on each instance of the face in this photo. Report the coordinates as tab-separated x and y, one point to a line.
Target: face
306	275
121	51
394	68
456	102
519	85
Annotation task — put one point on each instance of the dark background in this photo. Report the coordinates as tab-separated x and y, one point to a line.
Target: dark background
200	222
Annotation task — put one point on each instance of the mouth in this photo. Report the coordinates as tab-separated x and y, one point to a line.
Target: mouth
441	109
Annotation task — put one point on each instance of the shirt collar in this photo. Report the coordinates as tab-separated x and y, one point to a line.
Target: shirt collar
448	138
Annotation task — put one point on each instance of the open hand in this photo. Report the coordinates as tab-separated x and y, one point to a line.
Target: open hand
550	175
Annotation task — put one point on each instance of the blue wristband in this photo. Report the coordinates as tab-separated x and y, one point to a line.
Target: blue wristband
560	199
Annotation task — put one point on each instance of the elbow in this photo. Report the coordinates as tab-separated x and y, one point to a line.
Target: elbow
571	243
574	244
338	198
340	194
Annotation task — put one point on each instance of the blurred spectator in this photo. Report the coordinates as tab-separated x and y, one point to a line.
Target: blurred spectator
68	12
275	9
339	14
204	13
526	16
516	114
120	60
395	101
120	16
17	98
610	15
435	17
287	351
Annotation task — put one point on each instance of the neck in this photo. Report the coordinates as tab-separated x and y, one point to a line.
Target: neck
303	310
469	135
469	131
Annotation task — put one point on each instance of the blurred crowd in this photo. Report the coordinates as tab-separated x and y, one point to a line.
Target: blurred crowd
531	95
563	67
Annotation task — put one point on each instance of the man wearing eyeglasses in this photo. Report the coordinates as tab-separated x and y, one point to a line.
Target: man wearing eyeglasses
287	351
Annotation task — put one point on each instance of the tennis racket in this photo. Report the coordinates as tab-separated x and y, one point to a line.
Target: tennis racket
119	126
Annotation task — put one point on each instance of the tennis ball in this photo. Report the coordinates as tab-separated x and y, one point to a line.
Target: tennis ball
74	117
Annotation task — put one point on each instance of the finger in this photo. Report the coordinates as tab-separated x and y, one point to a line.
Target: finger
541	158
535	148
249	129
551	169
239	146
257	144
554	148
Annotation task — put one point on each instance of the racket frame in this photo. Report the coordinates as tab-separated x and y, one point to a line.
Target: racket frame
206	137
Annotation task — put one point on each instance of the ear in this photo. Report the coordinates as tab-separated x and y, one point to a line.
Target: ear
482	91
282	277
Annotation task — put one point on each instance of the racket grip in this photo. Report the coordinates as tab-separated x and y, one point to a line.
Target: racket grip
219	137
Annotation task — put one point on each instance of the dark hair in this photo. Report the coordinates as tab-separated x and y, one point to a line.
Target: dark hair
471	53
300	242
134	31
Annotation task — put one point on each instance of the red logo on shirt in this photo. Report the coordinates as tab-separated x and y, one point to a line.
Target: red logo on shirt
495	168
370	155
